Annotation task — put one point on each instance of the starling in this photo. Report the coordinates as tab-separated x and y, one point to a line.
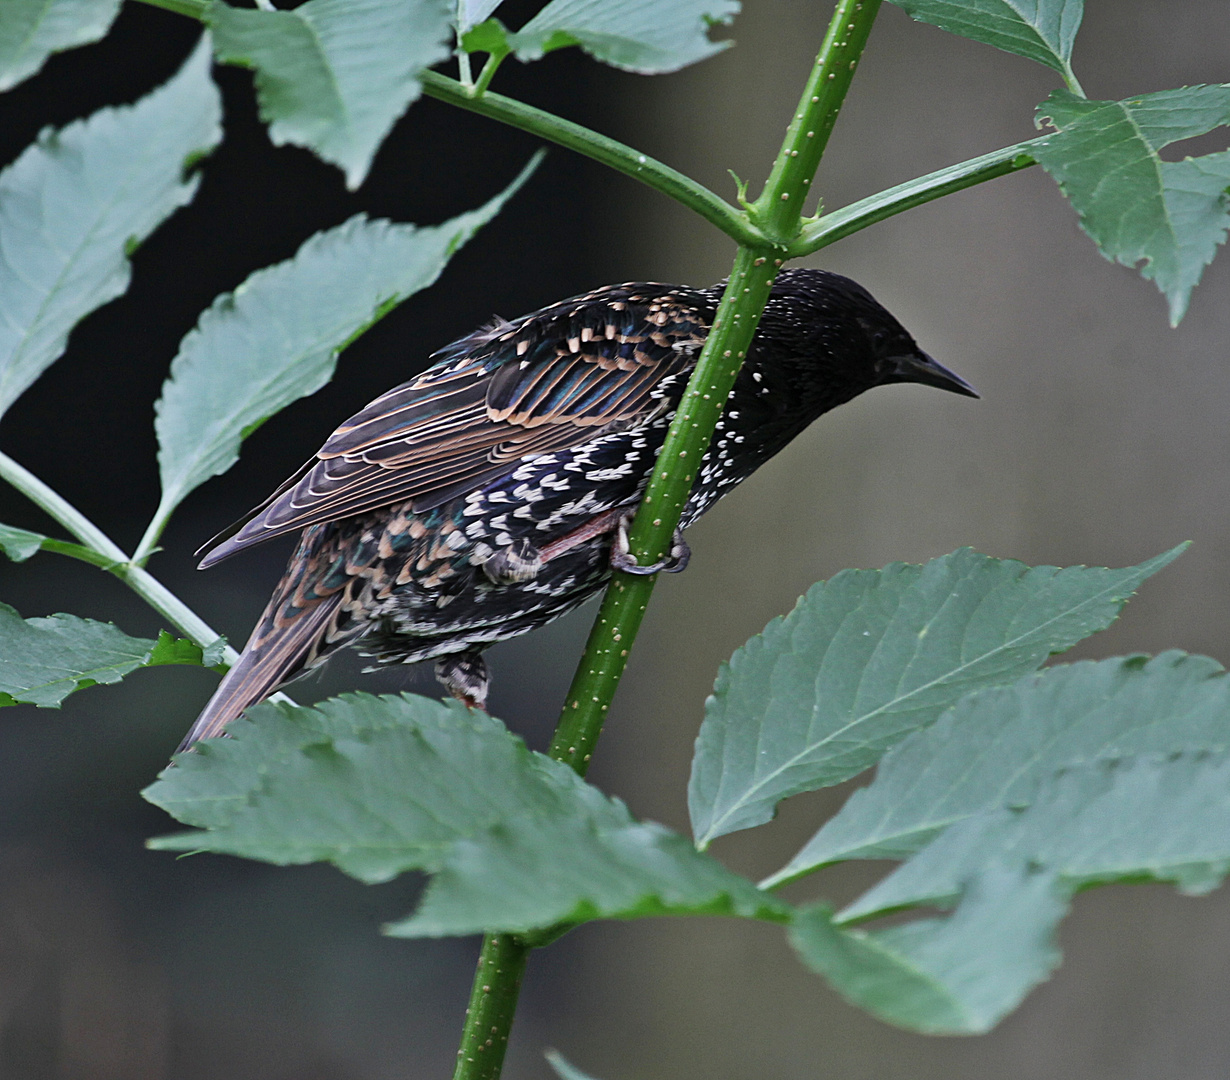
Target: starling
491	493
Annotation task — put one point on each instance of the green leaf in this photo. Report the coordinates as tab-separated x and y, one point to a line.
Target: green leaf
277	337
42	661
20	544
1041	30
378	786
76	203
996	749
334	75
31	30
1164	818
648	37
169	649
489	37
873	655
954	976
1170	215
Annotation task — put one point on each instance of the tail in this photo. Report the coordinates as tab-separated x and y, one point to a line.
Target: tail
278	651
309	616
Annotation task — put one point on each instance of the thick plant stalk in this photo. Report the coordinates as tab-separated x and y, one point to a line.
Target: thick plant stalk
493	1001
778	212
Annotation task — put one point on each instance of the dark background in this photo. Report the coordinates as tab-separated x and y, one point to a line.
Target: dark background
1102	437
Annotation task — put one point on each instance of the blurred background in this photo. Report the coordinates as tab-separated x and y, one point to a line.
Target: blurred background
1102	437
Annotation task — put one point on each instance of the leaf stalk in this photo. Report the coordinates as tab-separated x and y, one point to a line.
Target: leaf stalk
623	606
687	440
110	556
829	228
610	152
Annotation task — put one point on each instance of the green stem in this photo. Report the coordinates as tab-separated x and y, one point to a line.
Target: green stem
493	1003
78	552
923	189
623	606
751	279
153	532
111	556
1071	81
494	60
780	206
614	154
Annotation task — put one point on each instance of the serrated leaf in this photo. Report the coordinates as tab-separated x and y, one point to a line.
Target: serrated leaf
335	75
649	37
954	976
1163	818
1169	215
44	660
277	337
77	202
997	749
1041	30
20	544
378	786
994	748
169	649
871	656
31	30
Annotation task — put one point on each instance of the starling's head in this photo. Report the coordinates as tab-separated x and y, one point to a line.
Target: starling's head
835	340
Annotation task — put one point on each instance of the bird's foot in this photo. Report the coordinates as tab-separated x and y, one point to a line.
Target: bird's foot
622	558
464	675
520	561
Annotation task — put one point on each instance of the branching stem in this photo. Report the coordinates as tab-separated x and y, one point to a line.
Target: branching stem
610	152
110	556
747	291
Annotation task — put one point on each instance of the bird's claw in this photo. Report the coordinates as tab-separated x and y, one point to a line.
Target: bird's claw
623	560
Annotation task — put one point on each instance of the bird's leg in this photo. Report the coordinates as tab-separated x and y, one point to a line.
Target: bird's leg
464	675
622	558
520	561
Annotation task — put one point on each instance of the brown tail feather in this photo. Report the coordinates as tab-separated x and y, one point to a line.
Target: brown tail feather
269	660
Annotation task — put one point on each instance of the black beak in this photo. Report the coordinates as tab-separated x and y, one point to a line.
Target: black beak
920	368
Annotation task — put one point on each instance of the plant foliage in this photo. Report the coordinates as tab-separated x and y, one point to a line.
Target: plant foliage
1001	787
75	205
334	75
868	657
380	785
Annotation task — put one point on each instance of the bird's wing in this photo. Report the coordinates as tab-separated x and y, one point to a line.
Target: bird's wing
555	379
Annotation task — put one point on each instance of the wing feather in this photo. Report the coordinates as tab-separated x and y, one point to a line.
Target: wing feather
551	380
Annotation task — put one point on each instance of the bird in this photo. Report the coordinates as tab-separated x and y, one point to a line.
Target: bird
491	494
